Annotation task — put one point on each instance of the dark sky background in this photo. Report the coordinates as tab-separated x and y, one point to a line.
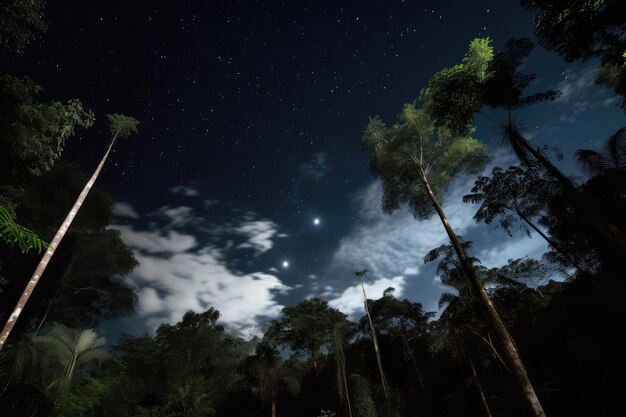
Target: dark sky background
251	114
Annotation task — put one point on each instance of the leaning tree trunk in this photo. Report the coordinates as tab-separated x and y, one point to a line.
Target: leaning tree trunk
551	242
493	318
479	387
589	213
30	287
375	342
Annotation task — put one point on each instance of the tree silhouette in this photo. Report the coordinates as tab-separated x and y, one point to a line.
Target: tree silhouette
610	160
519	193
360	275
582	30
416	165
120	126
454	107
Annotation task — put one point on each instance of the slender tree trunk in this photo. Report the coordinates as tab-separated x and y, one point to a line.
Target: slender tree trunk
30	287
552	243
481	392
345	385
588	211
273	406
375	342
493	318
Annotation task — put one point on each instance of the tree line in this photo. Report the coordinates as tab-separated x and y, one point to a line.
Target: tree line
509	341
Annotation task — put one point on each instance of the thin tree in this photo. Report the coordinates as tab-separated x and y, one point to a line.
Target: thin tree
454	95
360	275
120	126
339	338
417	163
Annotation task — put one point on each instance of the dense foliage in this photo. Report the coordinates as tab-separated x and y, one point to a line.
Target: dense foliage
396	359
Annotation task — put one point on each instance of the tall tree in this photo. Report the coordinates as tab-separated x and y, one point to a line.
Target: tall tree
379	361
494	81
273	375
416	164
120	126
305	328
33	132
339	340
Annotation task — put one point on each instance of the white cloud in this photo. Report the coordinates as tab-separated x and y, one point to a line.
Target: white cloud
520	247
259	234
170	286
123	209
177	273
350	301
185	190
388	245
176	216
154	242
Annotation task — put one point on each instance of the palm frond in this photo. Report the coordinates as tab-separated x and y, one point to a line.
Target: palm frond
15	234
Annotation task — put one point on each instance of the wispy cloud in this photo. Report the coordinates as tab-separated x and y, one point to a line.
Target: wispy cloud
317	167
185	190
389	245
350	301
123	209
259	233
579	93
155	242
186	267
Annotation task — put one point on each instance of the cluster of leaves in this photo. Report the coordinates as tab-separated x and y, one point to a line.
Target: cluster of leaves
15	234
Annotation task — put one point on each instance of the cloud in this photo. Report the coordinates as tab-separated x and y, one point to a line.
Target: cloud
259	234
574	87
189	268
389	245
185	190
172	285
317	167
579	93
176	216
154	242
350	301
123	209
521	247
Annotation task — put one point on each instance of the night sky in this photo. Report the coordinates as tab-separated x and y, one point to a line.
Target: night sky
246	188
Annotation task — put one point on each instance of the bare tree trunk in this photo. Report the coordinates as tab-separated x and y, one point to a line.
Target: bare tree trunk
481	392
273	406
30	287
345	384
552	243
493	318
375	342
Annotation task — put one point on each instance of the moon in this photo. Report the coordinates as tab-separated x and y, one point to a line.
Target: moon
285	264
316	221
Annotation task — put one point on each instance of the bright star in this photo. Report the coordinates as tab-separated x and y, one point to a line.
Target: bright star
285	264
316	221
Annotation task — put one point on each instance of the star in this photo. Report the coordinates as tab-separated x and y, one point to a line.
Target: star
316	221
285	264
